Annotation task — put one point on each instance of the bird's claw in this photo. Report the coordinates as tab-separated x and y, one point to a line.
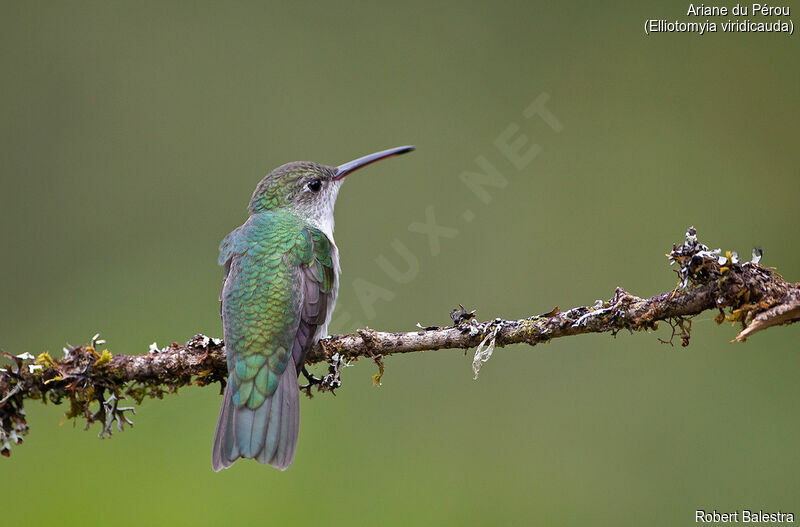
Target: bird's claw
330	382
312	381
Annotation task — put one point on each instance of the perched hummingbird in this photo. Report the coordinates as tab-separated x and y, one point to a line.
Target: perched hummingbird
280	285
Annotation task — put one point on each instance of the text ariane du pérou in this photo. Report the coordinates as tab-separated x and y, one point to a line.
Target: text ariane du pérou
743	516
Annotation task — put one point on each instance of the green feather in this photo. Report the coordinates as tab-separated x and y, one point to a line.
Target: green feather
262	296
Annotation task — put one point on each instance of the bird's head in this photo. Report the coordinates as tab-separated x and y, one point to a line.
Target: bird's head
308	188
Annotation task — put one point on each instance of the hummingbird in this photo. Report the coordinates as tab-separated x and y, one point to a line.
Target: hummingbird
279	289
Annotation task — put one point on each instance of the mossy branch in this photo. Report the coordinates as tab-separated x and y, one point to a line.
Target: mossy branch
93	381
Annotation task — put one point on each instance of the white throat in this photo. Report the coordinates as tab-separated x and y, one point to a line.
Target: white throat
325	224
321	216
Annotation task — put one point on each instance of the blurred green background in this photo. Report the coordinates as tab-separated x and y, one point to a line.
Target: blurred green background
134	133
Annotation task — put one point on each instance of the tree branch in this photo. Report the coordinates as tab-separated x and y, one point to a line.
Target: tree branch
93	381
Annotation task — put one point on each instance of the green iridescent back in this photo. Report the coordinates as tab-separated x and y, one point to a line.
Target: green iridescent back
275	264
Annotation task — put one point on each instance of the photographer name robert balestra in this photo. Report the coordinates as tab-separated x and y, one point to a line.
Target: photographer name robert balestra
743	516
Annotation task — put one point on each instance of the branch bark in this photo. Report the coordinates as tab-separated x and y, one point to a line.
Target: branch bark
93	381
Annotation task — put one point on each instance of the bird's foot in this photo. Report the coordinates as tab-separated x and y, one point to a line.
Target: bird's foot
330	382
312	381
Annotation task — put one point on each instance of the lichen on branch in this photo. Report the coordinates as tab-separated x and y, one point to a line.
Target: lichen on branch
94	382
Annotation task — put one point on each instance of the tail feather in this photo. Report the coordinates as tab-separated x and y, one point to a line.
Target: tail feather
284	453
251	427
271	443
225	451
267	433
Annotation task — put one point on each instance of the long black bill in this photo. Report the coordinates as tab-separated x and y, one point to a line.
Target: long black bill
343	170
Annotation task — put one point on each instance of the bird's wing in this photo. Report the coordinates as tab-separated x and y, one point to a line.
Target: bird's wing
227	249
316	280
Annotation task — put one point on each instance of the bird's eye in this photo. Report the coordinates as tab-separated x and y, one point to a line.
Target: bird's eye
314	185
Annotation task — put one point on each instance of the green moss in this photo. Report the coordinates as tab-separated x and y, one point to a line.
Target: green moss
104	358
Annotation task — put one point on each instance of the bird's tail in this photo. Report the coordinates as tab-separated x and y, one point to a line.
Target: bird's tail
267	433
